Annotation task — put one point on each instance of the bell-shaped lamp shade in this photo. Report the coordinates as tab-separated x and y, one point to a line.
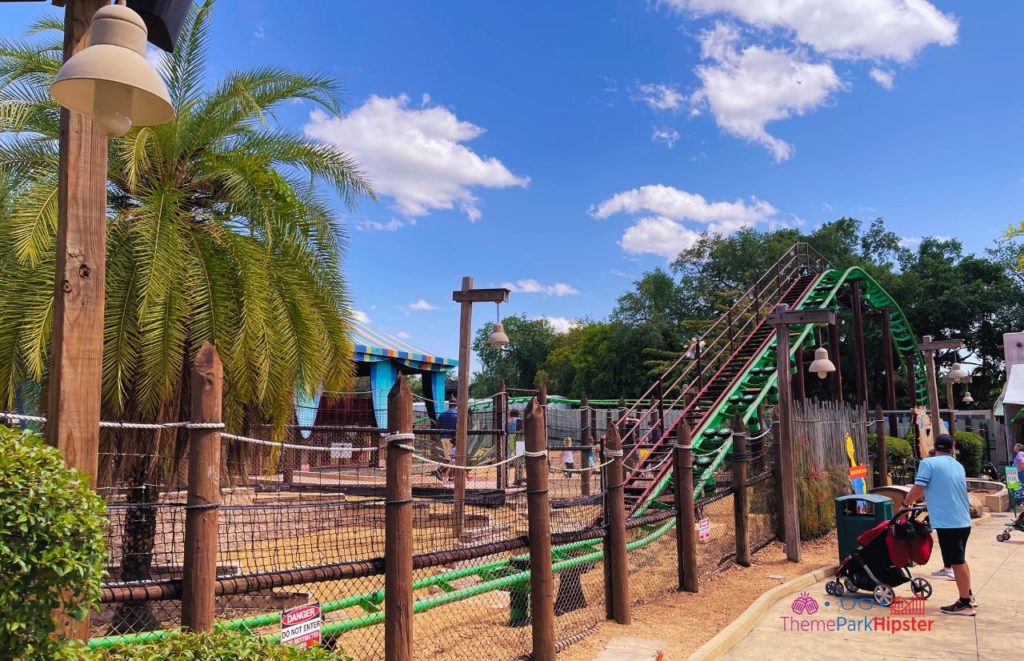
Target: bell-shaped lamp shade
957	373
821	365
967	398
498	339
111	80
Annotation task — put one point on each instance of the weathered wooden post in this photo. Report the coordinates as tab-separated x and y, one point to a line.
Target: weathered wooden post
542	593
880	448
199	571
740	493
499	405
587	441
615	544
398	526
686	533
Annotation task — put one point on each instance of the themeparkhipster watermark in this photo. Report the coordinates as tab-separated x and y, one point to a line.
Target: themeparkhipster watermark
854	614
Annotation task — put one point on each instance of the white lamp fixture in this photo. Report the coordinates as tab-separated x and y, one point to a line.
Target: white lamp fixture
967	398
957	373
498	339
821	365
111	79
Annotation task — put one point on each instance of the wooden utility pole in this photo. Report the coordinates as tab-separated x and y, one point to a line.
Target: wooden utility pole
542	592
741	496
833	350
466	297
615	514
499	407
76	345
890	373
398	607
686	534
199	570
880	448
782	318
928	347
587	441
860	357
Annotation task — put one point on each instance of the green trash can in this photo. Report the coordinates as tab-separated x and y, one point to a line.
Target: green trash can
857	513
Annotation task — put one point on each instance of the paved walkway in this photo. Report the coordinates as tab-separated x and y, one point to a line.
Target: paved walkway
996	632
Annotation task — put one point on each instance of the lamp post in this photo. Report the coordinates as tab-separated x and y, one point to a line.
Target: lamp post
466	297
956	375
782	318
928	347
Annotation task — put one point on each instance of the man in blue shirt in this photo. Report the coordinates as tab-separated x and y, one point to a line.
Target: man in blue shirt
943	483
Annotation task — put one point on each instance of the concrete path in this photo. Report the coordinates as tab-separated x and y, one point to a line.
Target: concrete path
996	632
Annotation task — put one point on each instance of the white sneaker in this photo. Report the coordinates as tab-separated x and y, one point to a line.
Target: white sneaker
945	572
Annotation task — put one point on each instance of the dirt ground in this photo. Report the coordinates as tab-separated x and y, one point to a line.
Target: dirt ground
687	621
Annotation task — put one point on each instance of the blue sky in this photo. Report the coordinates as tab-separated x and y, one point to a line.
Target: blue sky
568	147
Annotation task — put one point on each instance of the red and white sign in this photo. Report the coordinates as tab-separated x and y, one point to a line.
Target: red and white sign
301	625
704	529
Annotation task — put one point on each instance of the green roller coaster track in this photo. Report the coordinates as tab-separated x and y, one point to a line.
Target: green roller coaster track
712	444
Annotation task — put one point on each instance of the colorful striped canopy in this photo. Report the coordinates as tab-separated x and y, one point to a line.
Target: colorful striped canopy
372	345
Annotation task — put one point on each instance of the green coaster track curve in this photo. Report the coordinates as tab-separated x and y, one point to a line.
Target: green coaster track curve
709	452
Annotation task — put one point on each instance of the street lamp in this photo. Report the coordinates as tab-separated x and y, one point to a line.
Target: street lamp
968	400
821	365
111	80
498	340
956	373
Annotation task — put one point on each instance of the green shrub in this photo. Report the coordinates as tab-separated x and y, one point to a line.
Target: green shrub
52	553
970	448
897	450
219	646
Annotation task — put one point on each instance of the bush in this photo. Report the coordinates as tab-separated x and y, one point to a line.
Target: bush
219	646
970	448
52	552
897	450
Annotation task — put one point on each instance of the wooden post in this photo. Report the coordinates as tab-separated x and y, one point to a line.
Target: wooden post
686	533
787	470
199	570
833	351
860	357
542	592
499	404
740	493
462	421
890	372
933	390
880	448
587	441
398	527
780	515
615	514
76	345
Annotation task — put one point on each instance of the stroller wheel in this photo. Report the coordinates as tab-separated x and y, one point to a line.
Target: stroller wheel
851	585
1003	536
838	590
921	587
884	595
830	587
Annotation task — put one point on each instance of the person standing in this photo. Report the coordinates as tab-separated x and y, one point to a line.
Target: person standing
1018	461
567	458
514	428
448	421
943	483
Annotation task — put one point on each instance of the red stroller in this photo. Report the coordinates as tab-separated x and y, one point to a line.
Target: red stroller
884	557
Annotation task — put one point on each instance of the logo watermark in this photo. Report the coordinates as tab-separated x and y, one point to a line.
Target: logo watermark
901	617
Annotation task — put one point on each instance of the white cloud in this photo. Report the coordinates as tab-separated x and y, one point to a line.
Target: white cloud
825	206
678	204
866	29
745	88
883	78
361	316
659	96
658	235
392	225
533	286
402	335
259	32
911	242
618	274
666	135
560	324
415	155
420	306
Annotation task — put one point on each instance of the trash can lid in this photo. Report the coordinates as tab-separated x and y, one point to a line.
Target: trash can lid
867	497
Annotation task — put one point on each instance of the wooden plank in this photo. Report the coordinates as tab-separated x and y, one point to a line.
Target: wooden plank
462	421
469	295
783	315
928	344
542	591
199	570
398	533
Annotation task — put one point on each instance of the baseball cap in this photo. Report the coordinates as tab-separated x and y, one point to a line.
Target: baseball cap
944	442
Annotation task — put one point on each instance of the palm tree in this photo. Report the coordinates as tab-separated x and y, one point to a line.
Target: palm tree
218	229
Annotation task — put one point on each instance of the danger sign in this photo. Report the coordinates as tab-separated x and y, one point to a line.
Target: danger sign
301	625
704	529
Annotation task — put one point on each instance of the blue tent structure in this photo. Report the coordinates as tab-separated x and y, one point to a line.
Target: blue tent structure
382	357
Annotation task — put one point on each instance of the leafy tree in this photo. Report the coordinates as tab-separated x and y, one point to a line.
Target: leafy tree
217	230
530	341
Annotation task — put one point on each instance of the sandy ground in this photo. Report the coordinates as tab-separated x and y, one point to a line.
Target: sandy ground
686	621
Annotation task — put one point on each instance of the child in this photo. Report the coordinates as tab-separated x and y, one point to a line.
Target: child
451	460
567	457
